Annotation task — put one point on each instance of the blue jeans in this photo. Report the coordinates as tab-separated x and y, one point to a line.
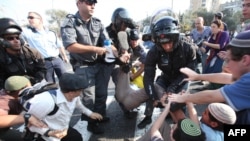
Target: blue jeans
53	66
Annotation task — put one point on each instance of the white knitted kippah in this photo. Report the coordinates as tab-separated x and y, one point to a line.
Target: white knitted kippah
222	113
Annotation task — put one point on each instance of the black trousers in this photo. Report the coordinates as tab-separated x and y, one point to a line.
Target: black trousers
72	135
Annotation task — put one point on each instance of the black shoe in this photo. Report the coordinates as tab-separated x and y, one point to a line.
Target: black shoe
147	120
130	114
104	119
95	128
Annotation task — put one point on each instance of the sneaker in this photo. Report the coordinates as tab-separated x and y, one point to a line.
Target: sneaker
104	119
95	128
147	120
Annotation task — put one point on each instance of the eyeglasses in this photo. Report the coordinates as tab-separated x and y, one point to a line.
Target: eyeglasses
31	17
246	5
11	38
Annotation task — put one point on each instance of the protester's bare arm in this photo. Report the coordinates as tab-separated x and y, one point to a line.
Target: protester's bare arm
158	123
221	78
96	116
192	112
202	97
11	120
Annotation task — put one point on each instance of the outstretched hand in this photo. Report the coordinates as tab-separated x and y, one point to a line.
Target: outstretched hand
192	75
125	57
58	133
179	98
96	116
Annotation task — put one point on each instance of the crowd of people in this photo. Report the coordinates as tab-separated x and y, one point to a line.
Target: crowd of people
31	56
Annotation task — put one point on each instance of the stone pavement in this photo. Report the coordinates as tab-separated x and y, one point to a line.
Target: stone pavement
120	128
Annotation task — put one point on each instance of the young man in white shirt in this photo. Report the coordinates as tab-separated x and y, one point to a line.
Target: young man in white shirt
66	98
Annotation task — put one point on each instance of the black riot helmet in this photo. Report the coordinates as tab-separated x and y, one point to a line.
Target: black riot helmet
121	15
165	30
9	26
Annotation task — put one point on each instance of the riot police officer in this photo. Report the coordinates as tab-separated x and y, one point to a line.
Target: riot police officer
16	58
120	21
170	53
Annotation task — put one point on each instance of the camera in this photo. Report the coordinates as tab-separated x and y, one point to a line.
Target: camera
146	37
199	43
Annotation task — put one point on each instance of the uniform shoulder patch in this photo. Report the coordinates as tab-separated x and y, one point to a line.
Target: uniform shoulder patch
68	19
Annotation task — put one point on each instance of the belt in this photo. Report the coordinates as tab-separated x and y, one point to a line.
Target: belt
50	58
88	63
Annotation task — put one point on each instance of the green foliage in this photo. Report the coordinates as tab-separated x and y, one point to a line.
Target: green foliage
232	19
55	19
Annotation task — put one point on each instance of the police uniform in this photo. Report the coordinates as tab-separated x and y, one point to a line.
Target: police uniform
139	53
29	63
89	65
169	63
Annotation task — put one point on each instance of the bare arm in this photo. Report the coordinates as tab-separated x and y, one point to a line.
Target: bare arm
202	97
192	113
158	123
215	46
221	78
80	48
138	72
11	120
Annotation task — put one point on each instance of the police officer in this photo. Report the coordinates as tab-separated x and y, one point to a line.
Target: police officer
16	58
170	53
83	36
120	21
139	54
48	44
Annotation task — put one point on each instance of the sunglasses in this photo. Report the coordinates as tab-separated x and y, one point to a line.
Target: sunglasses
11	38
31	17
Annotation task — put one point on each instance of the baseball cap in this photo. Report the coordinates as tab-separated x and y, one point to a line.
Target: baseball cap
241	40
72	82
222	113
134	35
219	15
15	83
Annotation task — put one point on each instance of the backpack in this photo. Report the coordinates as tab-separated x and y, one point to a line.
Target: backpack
29	93
39	88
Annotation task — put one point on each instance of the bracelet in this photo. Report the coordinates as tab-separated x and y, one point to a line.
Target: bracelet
46	134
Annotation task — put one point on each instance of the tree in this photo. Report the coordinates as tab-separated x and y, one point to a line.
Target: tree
55	19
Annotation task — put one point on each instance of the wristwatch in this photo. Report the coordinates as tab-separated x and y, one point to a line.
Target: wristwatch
26	118
46	134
